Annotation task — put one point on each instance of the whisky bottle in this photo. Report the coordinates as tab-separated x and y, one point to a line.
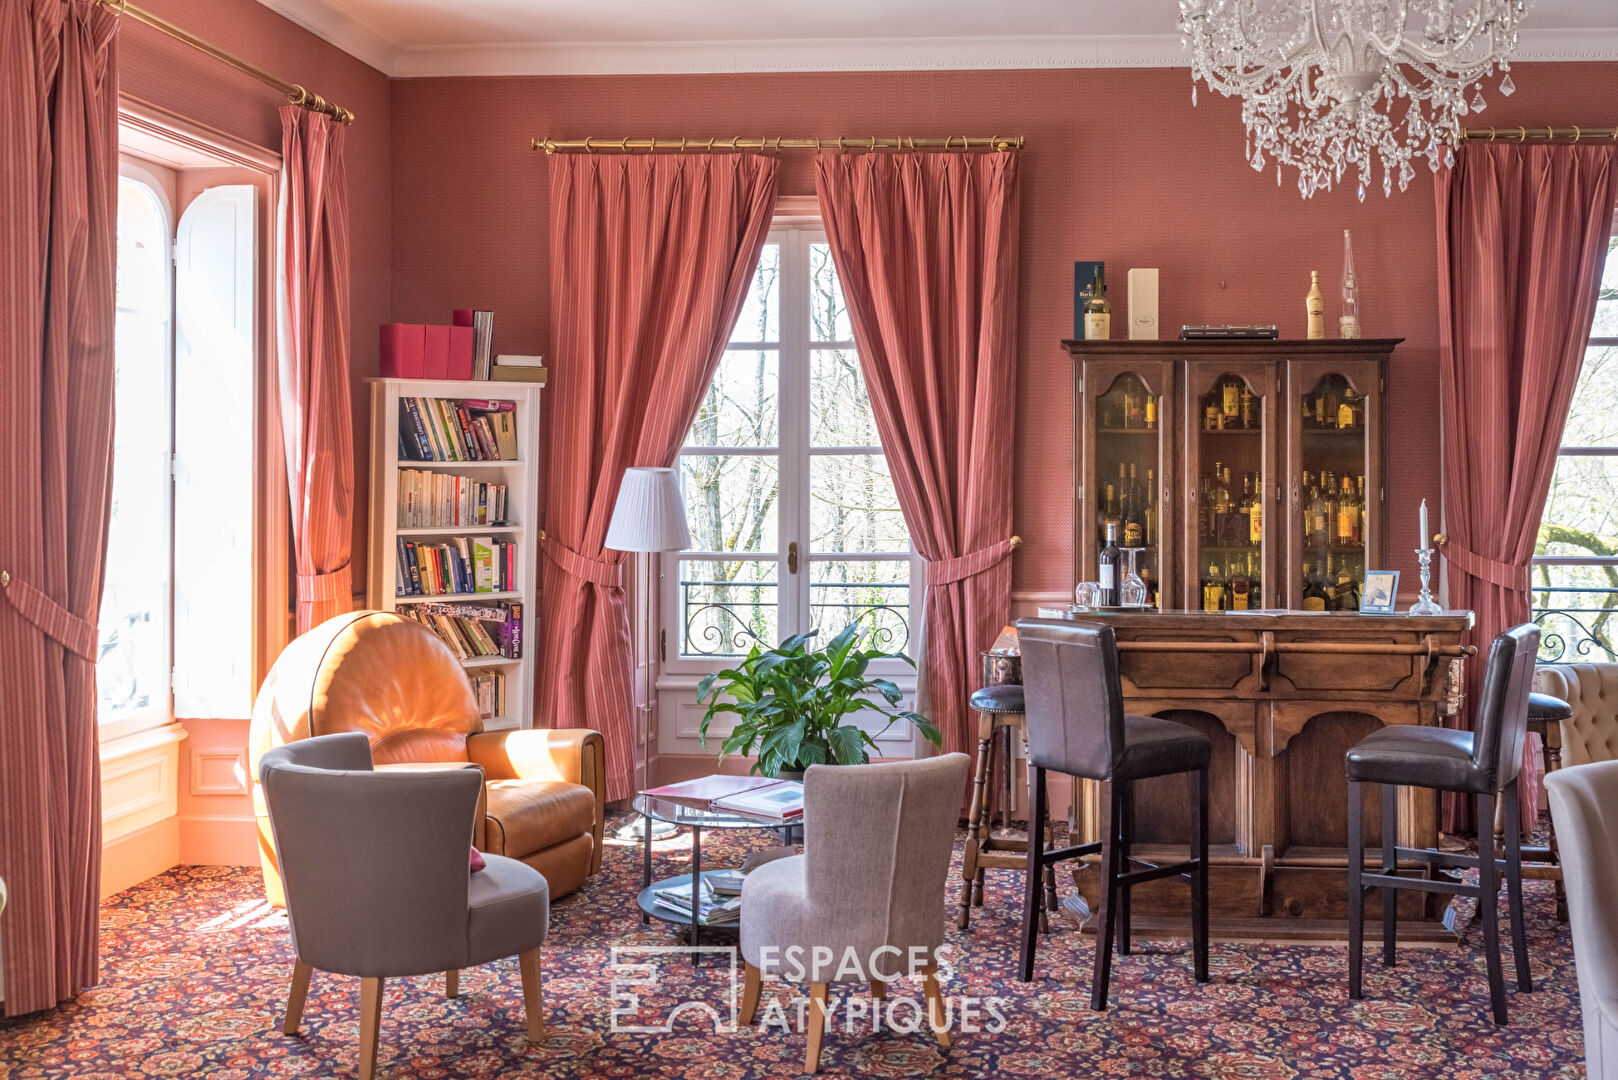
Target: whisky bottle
1097	312
1348	590
1241	587
1219	496
1314	596
1255	592
1347	410
1314	305
1151	413
1108	567
1316	530
1213	589
1348	528
1255	512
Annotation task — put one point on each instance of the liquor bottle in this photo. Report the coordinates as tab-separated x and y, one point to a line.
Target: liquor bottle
1219	499
1255	512
1314	305
1348	589
1348	410
1097	312
1255	591
1314	595
1348	525
1328	584
1111	518
1108	566
1241	587
1348	323
1134	516
1319	410
1151	413
1211	417
1249	412
1150	535
1230	394
1213	589
1316	530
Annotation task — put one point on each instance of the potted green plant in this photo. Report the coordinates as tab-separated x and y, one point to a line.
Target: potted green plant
791	704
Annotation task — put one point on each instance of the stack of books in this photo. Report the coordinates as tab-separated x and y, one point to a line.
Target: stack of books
462	566
463	350
428	499
474	630
712	909
490	689
514	367
457	429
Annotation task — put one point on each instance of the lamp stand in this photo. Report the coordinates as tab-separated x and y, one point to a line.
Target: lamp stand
635	828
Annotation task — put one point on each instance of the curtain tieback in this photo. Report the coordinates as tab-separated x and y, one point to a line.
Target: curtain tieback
608	574
947	571
331	585
1502	574
76	634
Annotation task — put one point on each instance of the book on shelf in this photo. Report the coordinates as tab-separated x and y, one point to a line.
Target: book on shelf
430	499
512	373
450	567
474	630
759	796
482	324
452	429
519	360
489	687
712	909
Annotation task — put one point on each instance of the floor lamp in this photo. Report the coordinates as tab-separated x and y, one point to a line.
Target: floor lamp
649	517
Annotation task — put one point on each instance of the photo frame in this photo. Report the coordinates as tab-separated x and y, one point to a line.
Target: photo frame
1380	593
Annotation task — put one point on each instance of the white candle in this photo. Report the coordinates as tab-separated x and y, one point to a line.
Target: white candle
1424	534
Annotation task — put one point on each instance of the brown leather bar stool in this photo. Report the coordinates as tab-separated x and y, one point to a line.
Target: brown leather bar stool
1076	725
1545	715
1000	710
1483	763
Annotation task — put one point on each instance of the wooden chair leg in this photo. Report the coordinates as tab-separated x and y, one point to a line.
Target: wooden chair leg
974	815
1553	762
452	983
1489	906
370	1025
937	1015
1051	904
1031	877
1390	866
1107	907
817	1026
1356	892
1126	826
752	985
1199	880
879	990
295	998
1519	932
533	993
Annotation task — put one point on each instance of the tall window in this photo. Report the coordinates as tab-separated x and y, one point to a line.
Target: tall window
794	520
1575	571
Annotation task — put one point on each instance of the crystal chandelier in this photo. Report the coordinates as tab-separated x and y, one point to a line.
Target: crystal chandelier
1329	85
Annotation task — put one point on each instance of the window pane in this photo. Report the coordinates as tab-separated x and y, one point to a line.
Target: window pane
1581	513
853	506
740	407
839	408
828	315
760	319
874	594
1574	606
142	275
1592	419
1606	324
727	606
731	501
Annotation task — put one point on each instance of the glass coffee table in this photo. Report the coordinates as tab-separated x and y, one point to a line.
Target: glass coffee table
696	820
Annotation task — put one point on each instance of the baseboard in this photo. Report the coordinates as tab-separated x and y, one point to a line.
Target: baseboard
139	855
218	840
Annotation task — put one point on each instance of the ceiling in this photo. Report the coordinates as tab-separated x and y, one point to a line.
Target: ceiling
541	37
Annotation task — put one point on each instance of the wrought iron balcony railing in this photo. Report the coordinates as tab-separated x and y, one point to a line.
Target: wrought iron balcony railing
726	618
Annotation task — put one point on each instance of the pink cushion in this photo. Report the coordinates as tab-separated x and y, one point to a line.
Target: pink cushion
477	861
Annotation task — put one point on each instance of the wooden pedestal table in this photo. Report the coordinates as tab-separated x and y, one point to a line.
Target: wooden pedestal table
1283	695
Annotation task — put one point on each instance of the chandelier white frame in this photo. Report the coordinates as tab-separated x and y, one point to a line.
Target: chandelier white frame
1320	79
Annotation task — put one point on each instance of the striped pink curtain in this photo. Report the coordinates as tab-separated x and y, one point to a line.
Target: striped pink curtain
650	260
1522	233
926	249
58	260
316	419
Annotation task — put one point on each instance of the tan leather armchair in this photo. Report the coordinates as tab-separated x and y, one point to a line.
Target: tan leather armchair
1591	690
388	677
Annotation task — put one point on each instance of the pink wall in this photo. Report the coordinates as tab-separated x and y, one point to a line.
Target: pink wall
1119	166
203	90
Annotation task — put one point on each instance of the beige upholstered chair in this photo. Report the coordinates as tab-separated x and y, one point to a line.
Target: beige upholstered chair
1591	733
867	894
1584	806
375	867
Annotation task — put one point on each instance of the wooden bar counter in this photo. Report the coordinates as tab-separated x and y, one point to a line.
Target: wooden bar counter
1282	694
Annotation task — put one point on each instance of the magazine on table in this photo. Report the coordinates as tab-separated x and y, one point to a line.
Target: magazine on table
758	796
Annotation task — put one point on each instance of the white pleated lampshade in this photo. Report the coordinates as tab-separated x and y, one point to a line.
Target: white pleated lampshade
649	515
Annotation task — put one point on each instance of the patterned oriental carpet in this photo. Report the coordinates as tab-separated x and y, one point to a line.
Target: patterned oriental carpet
195	968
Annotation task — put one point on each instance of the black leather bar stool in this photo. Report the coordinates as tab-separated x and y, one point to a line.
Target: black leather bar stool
1483	763
1545	715
1076	725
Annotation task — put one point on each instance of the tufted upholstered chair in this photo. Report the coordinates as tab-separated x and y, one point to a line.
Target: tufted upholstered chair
1584	805
1591	690
391	679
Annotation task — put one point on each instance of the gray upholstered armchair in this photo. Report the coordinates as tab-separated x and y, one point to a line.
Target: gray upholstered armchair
377	883
1584	808
867	894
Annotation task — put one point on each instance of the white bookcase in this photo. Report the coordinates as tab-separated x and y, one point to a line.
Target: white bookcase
522	512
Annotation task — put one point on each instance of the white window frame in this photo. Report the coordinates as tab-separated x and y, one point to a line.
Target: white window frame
795	455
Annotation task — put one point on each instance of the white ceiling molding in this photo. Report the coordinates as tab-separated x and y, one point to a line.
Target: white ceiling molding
361	38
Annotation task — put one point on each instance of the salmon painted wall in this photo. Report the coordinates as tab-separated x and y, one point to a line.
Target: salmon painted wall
165	73
1118	166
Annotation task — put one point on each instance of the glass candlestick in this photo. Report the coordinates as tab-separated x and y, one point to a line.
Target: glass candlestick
1426	605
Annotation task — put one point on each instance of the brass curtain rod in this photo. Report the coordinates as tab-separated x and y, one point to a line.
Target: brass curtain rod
1538	134
296	94
842	142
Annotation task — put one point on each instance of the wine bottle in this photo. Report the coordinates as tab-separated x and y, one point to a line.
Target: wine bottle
1348	323
1108	567
1255	592
1097	312
1314	305
1111	518
1134	515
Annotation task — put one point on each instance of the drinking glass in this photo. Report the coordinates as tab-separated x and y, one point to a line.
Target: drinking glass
1088	594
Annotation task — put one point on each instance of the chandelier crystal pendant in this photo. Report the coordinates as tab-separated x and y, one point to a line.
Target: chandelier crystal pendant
1333	85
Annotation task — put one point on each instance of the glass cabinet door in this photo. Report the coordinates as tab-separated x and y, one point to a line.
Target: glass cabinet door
1229	415
1126	437
1334	491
